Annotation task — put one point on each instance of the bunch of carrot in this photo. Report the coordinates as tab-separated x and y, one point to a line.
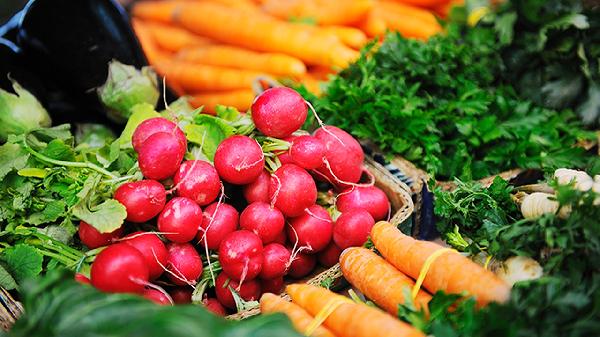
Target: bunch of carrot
214	50
388	280
318	312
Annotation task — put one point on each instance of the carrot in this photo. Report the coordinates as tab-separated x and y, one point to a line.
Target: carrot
239	4
423	3
240	99
258	32
301	319
160	11
153	53
407	24
321	73
235	57
350	36
378	279
444	9
173	38
373	25
325	12
450	272
197	77
405	9
312	83
348	319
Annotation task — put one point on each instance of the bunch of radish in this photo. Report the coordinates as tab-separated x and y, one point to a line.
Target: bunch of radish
268	226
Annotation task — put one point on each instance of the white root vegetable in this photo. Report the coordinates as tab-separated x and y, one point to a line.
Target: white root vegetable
519	268
583	181
538	203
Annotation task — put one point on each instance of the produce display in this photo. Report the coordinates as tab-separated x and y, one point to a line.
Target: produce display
236	173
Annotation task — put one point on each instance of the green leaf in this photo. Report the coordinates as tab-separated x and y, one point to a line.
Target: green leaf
105	217
23	261
20	112
6	280
32	172
51	212
208	132
12	157
139	113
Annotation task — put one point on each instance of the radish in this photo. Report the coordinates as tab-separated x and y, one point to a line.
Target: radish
224	222
249	290
281	238
213	305
307	152
181	295
154	125
152	248
343	158
157	296
329	256
180	219
240	255
142	199
278	112
302	265
292	190
92	238
274	286
313	229
239	160
285	158
119	268
160	155
258	190
197	180
275	258
183	263
369	198
352	228
82	279
262	219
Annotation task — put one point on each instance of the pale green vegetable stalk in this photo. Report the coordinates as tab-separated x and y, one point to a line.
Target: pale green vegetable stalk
21	112
126	87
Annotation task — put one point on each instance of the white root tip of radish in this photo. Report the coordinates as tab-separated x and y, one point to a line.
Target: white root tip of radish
321	124
180	277
309	212
276	194
342	182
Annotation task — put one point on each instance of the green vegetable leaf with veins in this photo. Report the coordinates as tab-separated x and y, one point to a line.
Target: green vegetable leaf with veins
23	261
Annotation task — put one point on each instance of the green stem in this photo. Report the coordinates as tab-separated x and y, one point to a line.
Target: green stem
58	257
68	163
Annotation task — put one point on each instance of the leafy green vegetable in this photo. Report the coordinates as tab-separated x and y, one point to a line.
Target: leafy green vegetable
20	112
94	135
23	261
58	306
139	113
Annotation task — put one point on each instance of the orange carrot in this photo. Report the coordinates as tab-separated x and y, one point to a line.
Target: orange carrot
235	57
153	53
312	83
379	280
239	4
405	9
325	12
450	272
173	38
197	77
444	9
257	32
160	11
423	3
373	25
240	99
348	319
321	73
407	24
350	36
301	319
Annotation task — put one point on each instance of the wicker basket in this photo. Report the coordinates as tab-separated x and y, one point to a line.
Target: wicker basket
10	310
402	206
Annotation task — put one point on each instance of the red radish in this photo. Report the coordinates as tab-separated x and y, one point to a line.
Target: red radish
180	219
258	190
213	305
224	221
292	189
278	112
352	228
92	238
240	255
184	262
312	229
160	155
239	160
275	260
143	199
329	256
157	296
262	219
197	180
285	158
307	152
181	295
302	265
344	156
152	248
369	198
119	268
154	125
249	290
281	238
82	279
274	286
